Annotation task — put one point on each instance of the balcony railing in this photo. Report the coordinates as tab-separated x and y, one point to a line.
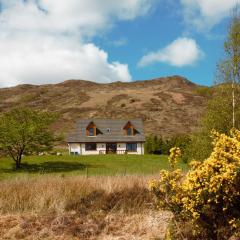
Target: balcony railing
113	152
116	152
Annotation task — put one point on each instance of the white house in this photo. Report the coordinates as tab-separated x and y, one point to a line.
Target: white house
104	136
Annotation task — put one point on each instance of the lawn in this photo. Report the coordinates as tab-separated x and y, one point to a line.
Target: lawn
86	165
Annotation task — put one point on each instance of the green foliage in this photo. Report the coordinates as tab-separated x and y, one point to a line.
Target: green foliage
153	144
229	67
25	131
199	147
204	91
180	141
218	116
157	144
219	111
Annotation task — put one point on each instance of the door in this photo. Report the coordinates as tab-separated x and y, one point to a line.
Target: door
111	148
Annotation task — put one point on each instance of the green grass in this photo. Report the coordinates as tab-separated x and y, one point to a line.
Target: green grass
86	165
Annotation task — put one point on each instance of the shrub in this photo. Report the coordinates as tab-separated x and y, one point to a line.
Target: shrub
208	196
154	144
159	145
218	116
204	91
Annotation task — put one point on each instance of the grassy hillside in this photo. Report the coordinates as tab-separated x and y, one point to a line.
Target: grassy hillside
168	106
86	165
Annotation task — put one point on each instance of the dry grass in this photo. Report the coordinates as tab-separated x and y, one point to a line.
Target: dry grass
79	208
49	193
148	225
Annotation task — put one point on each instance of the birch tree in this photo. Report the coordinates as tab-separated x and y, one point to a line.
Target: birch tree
229	67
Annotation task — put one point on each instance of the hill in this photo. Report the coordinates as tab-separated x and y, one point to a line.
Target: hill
168	106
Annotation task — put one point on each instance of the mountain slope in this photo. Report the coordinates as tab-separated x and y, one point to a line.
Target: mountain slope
168	106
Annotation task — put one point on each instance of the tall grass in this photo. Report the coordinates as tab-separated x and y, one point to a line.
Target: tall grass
58	194
79	207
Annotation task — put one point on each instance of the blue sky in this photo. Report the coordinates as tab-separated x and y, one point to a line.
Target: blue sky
49	41
154	32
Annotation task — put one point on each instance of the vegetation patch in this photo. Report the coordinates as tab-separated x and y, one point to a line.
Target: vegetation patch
207	198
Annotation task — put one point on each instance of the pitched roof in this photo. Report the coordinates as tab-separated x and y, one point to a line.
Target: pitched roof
116	133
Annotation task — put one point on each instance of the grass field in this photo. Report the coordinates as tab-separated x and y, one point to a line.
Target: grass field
50	197
86	165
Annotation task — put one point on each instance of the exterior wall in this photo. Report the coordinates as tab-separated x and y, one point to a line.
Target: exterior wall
74	148
100	146
121	147
79	148
140	149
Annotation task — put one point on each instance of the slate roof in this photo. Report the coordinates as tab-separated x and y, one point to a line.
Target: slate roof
116	133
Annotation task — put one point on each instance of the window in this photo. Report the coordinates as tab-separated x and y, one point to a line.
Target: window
129	131
131	147
91	146
108	130
91	131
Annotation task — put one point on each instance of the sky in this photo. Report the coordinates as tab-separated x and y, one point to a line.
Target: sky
49	41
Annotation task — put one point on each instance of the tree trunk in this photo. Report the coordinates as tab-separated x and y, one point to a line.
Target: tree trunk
18	163
233	103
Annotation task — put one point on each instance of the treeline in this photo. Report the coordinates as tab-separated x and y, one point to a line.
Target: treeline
158	145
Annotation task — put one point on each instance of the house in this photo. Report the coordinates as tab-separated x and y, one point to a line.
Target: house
103	136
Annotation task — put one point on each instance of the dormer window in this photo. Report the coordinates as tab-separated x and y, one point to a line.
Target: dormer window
129	131
108	130
91	131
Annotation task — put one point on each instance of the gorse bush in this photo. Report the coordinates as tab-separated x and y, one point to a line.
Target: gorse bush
208	197
167	188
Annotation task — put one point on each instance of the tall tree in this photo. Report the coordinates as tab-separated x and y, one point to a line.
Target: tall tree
229	68
25	131
223	110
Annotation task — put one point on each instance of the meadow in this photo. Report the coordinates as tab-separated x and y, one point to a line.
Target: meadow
81	197
96	165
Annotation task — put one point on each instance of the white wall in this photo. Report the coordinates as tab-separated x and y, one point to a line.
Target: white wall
121	147
74	148
141	148
80	148
100	146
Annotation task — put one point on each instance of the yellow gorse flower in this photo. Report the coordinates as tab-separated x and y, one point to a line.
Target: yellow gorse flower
210	190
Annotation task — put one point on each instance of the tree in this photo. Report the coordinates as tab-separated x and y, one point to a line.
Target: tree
153	144
229	68
157	144
148	144
223	111
218	116
25	131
